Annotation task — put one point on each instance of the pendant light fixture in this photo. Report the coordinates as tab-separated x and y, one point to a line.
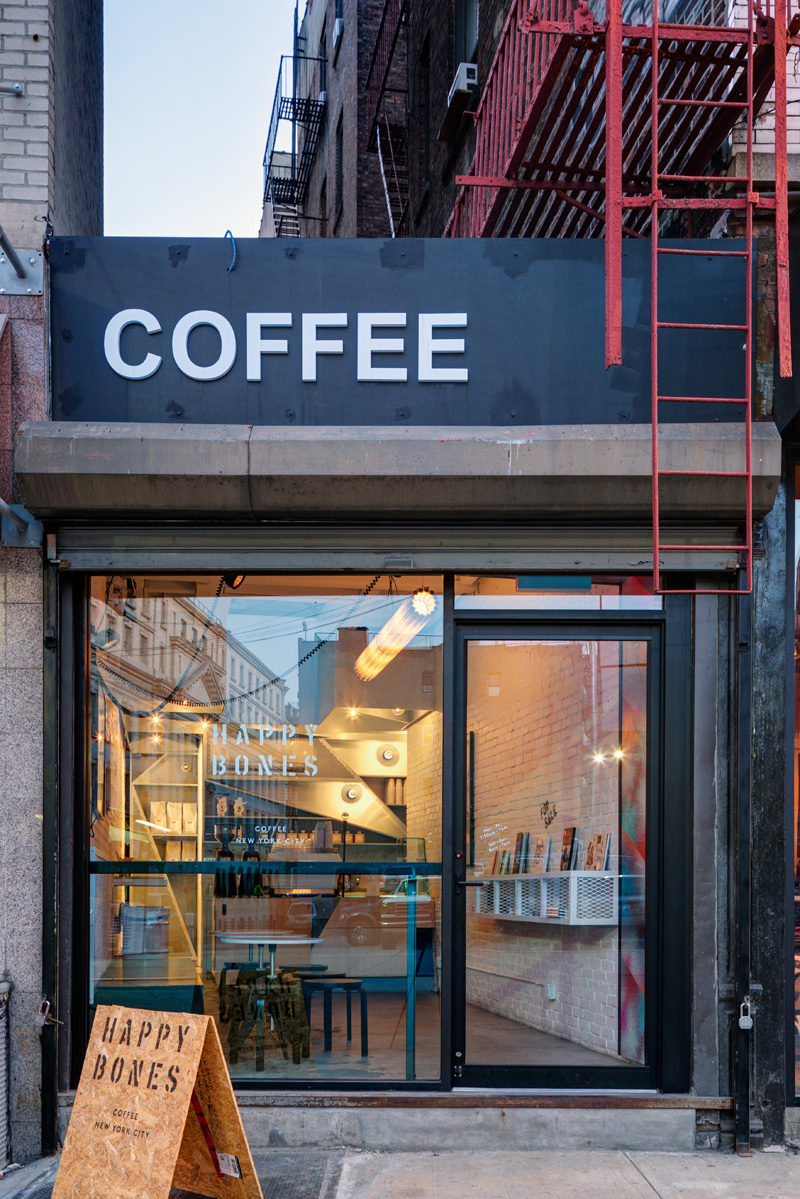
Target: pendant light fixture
401	627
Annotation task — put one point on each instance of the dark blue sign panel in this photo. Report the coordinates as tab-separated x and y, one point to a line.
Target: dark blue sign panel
497	332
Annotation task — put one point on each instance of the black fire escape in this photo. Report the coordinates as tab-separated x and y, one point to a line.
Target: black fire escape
298	113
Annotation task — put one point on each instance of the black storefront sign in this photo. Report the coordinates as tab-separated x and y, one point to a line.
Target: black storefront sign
496	332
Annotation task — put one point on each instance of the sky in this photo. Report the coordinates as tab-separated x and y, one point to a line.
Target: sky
188	95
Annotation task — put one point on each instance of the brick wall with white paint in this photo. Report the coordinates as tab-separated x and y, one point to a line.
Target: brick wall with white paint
764	126
51	133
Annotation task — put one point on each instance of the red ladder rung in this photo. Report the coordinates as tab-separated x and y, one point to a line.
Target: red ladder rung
706	178
704	591
706	253
709	474
703	103
742	548
692	325
700	400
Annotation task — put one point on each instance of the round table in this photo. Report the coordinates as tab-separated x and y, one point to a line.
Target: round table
269	939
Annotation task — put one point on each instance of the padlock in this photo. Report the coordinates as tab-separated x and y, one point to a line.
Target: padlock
745	1019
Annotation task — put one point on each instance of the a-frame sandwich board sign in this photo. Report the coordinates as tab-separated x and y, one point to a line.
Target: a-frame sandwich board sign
155	1109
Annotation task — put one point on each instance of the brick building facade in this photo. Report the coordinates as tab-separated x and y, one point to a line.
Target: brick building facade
433	145
50	179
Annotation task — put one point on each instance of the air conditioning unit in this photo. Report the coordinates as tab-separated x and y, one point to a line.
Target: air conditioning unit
338	30
463	85
466	79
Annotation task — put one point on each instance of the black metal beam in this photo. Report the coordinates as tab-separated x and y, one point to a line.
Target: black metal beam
50	850
742	1038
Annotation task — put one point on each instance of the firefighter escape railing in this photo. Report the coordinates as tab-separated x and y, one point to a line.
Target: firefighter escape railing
380	65
298	111
704	78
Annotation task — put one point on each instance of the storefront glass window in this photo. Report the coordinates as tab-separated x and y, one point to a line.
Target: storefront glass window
556	801
265	815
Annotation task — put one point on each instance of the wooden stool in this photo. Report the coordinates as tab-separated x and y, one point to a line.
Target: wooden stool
327	986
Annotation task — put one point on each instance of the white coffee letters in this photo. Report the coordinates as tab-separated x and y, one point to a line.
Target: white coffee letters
369	345
180	345
370	349
256	346
312	345
428	346
130	316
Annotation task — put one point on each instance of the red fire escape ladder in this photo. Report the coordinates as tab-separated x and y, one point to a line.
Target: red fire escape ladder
562	149
658	203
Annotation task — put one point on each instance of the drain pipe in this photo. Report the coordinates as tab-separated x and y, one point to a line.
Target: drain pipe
742	1034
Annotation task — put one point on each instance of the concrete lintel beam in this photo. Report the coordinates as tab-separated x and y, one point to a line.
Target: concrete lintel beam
192	471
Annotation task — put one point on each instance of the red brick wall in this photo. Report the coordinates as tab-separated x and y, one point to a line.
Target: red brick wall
433	193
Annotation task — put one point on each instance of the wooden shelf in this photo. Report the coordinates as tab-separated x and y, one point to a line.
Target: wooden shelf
571	897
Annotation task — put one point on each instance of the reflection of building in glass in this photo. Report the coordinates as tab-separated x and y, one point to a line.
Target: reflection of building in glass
254	694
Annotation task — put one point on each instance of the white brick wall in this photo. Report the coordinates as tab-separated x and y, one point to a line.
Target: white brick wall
26	143
51	135
764	129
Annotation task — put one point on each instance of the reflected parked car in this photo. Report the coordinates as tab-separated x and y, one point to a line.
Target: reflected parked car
363	918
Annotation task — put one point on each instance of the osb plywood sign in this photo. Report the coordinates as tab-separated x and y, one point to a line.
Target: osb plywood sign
155	1109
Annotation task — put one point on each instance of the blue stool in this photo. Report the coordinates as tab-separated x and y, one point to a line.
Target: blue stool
327	986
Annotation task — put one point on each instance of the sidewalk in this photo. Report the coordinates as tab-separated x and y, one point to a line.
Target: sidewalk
598	1174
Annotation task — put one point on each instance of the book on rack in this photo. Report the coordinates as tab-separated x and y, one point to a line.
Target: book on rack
540	860
569	845
517	861
493	867
597	851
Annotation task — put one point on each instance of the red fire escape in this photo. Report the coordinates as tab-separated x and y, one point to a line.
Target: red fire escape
589	126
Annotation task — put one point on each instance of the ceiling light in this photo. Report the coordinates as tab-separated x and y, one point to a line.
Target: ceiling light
387	755
351	793
401	627
423	601
352	713
233	580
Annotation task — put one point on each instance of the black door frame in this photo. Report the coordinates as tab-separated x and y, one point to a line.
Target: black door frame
667	885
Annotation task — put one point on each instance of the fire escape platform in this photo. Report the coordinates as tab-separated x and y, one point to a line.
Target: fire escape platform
561	135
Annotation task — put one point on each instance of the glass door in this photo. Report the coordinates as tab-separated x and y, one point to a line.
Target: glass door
552	848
